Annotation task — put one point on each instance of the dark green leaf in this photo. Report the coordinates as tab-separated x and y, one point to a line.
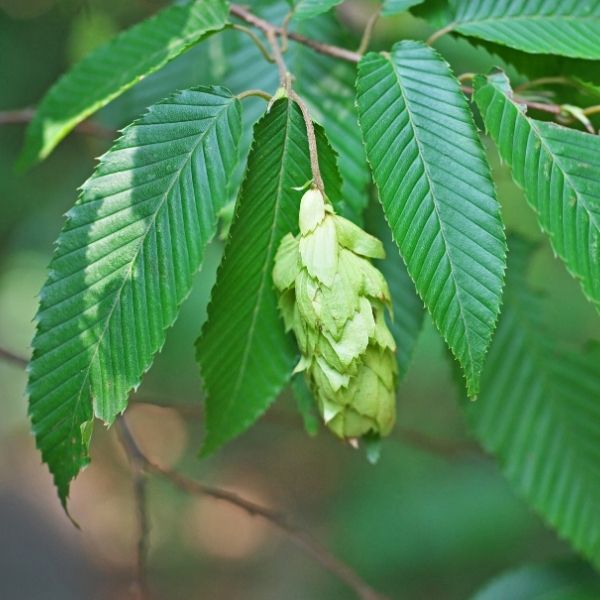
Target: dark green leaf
437	193
539	414
123	264
114	67
559	170
245	357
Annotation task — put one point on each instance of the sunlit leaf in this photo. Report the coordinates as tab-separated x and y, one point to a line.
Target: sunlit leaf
123	264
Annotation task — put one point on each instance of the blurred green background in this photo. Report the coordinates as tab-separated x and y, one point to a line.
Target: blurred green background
434	519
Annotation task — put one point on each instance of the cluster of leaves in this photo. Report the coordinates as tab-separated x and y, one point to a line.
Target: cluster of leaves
126	257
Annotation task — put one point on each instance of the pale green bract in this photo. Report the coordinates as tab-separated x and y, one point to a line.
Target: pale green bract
334	301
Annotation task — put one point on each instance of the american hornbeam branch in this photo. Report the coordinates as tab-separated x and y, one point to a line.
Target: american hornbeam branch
284	78
271	29
312	142
300	537
342	53
140	492
285	81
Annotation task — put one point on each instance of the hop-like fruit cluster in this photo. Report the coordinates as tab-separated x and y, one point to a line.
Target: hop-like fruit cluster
334	300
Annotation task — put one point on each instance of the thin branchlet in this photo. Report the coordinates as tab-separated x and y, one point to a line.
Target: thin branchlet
312	142
295	534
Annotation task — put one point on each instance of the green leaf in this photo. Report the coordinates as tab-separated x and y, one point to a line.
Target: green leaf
114	67
245	356
539	415
408	312
123	264
308	9
559	171
569	27
394	7
436	190
552	581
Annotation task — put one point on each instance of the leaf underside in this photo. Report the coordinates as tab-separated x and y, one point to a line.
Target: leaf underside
436	190
539	415
559	171
566	27
123	264
245	356
114	67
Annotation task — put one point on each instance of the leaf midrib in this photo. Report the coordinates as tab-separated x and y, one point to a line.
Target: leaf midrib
435	207
142	238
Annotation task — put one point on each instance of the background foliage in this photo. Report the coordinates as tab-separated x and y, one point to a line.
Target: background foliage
438	520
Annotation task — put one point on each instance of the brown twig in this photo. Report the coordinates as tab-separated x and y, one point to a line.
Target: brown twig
465	77
337	52
284	30
138	469
302	539
256	94
272	32
257	41
312	142
26	115
554	109
591	110
436	35
546	81
11	357
284	79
